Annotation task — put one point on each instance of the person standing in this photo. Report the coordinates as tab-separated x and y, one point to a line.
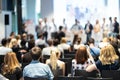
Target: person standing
88	30
116	27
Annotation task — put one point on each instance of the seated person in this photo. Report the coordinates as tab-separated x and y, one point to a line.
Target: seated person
82	59
11	67
37	69
55	64
108	60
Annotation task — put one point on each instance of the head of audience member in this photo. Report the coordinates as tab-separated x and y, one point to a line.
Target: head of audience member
91	41
55	54
79	40
81	55
108	55
56	42
18	37
75	38
10	63
36	53
13	43
12	35
50	42
40	36
63	40
4	42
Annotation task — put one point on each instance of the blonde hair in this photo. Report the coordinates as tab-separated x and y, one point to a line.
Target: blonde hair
13	42
108	55
10	63
53	58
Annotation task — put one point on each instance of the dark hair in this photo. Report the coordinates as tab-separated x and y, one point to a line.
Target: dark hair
4	41
36	53
91	40
81	55
50	42
60	28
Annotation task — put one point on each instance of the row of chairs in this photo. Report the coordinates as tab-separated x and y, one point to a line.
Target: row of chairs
83	75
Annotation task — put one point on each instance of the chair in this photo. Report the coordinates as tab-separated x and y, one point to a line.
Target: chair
69	56
1	59
115	74
69	78
91	78
86	74
40	78
68	65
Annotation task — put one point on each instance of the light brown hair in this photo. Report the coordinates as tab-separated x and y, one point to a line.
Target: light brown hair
10	63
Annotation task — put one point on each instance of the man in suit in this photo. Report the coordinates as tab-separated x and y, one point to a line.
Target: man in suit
88	30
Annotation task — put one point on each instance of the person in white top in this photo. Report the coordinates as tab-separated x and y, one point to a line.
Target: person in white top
4	49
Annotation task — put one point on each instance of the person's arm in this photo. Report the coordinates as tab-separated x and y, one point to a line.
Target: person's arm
63	69
91	68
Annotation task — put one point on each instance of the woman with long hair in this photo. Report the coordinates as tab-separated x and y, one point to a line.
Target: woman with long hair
82	59
11	67
108	60
55	64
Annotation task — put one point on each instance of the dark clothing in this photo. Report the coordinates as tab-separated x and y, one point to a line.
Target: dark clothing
113	66
16	75
116	27
60	35
88	33
57	72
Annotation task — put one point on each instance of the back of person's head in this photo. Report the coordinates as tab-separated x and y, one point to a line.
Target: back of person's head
4	42
108	55
81	55
10	63
79	40
35	53
50	42
91	41
63	40
60	28
40	35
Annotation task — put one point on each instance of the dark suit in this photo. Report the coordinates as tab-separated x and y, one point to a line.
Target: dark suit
88	33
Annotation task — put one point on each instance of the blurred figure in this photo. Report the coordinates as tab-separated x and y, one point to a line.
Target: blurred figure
82	59
116	27
88	30
108	60
105	28
55	64
76	27
11	67
36	67
96	34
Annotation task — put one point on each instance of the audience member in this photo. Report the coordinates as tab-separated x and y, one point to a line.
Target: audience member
55	64
37	69
4	49
82	59
94	51
108	60
11	67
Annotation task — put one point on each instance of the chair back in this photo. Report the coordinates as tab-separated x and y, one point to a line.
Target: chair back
68	65
69	78
1	59
91	78
86	74
115	74
29	78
